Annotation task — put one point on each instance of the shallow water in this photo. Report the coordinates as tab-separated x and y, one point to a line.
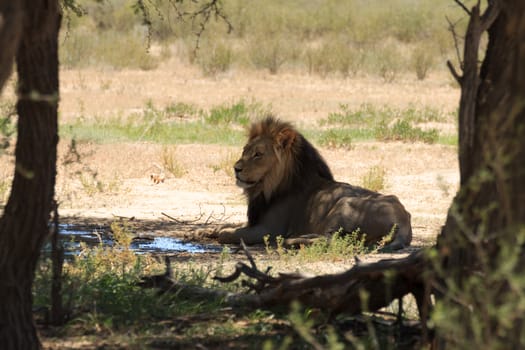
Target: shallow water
73	236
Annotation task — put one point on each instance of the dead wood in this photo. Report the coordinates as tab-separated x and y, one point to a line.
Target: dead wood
364	287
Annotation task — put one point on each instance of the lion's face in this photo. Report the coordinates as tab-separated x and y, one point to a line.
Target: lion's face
267	159
258	159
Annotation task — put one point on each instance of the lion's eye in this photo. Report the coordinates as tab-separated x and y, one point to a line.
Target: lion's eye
257	155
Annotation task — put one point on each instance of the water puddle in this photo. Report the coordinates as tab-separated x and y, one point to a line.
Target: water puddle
73	237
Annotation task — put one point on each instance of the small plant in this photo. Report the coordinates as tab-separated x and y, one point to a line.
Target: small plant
226	164
181	110
340	245
168	159
374	179
336	138
403	131
279	245
240	113
90	183
4	190
7	127
443	185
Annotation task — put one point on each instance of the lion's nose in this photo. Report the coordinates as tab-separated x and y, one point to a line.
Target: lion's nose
237	168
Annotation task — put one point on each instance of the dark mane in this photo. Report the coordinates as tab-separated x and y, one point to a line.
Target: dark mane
309	167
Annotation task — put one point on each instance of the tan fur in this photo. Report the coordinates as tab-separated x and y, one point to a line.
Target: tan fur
291	192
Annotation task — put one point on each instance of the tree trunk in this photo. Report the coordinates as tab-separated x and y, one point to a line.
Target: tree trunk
10	31
486	220
24	225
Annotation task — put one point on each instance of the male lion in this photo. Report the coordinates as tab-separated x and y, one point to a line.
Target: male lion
291	192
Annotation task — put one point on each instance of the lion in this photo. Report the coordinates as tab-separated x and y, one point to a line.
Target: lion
291	192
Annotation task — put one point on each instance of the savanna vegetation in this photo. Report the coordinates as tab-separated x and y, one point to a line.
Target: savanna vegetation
326	38
105	300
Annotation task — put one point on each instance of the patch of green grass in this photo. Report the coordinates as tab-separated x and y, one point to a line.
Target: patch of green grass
101	292
367	115
402	130
177	123
7	127
381	123
241	113
340	245
335	138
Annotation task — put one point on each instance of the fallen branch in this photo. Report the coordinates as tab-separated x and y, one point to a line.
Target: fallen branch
383	282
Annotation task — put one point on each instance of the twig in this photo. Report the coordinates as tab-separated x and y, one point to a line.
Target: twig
463	6
182	221
452	28
454	73
248	255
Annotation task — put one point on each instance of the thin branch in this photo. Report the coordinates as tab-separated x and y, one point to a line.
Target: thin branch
462	5
452	29
454	73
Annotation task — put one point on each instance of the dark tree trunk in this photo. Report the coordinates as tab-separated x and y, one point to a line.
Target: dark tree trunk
10	31
491	199
24	225
488	213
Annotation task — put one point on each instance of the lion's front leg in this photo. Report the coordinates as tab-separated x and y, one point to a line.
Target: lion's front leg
214	233
250	235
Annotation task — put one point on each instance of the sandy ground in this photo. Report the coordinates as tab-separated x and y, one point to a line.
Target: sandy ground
424	177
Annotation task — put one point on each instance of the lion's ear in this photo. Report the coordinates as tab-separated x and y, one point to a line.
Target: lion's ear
286	138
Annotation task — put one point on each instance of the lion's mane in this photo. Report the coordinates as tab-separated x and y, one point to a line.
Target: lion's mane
298	168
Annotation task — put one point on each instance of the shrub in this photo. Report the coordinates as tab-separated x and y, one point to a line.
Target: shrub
267	52
334	56
214	58
388	61
422	61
